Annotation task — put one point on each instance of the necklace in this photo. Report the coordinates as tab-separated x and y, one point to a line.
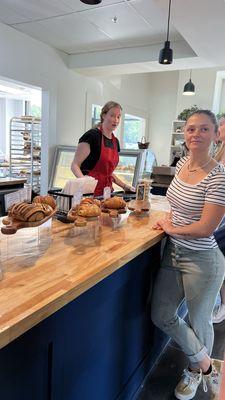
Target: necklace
200	166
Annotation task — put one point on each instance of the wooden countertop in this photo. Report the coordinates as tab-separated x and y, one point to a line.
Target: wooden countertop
37	285
11	181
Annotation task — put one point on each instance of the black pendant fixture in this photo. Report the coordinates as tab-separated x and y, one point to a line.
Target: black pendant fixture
91	2
166	54
189	88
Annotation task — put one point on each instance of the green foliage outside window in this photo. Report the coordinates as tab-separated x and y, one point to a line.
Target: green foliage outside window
36	111
132	132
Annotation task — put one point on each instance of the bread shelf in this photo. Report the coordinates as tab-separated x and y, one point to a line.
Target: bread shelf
25	150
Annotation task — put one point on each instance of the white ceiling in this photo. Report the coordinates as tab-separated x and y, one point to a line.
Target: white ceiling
97	45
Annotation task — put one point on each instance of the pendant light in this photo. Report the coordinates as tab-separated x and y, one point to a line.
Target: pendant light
189	88
91	2
166	54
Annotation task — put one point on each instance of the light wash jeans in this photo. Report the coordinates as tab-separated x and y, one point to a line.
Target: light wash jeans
197	276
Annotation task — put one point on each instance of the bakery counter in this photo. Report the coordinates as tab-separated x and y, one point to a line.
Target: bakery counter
75	318
9	181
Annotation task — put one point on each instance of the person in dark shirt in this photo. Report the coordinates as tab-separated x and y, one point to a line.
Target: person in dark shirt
98	150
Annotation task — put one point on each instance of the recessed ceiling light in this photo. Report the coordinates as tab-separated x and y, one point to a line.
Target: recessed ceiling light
91	2
115	19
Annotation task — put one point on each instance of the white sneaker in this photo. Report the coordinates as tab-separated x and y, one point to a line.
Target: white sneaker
188	385
219	314
212	382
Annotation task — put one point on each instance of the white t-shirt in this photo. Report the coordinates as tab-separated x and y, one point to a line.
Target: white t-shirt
187	202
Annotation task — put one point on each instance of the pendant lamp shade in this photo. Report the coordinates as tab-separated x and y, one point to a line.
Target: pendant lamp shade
166	54
189	88
91	2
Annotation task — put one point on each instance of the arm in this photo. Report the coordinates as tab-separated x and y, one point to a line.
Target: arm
82	152
210	219
123	185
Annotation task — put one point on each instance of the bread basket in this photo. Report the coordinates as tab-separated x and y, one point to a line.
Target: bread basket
143	144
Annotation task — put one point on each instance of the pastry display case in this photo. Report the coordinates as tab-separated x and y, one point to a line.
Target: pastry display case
133	165
61	168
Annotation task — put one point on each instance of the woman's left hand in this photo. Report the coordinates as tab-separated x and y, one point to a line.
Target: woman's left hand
128	188
164	224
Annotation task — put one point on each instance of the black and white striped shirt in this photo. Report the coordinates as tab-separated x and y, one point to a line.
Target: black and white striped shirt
187	202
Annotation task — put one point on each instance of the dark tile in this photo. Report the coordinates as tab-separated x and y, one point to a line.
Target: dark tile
162	381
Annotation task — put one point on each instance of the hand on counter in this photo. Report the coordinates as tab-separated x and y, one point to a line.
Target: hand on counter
164	224
128	188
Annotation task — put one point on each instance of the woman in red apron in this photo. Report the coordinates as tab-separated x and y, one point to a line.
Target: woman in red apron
97	153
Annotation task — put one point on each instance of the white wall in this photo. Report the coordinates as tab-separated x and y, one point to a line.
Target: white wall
163	88
204	81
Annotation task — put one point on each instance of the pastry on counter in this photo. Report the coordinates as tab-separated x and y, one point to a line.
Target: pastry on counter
45	200
114	203
88	210
88	207
26	212
91	200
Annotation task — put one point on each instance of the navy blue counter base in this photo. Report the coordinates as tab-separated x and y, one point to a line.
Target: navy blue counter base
100	346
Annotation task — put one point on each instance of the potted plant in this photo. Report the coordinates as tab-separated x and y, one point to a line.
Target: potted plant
183	116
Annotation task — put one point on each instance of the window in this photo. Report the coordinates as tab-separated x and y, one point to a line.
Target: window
95	114
130	130
134	129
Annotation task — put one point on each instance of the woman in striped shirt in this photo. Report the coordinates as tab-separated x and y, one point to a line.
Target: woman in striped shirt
193	267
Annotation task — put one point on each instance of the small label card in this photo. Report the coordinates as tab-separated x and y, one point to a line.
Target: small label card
15	197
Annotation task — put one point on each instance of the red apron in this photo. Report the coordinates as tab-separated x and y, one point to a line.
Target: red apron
105	166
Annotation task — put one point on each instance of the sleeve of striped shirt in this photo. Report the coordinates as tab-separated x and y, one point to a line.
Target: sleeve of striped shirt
215	191
180	164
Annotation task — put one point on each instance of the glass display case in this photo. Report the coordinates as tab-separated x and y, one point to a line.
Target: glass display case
133	165
61	168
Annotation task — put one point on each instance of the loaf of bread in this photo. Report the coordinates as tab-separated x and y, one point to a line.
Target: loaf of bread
114	203
26	212
45	200
48	210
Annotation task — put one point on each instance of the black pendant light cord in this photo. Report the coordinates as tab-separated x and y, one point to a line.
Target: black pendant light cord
168	23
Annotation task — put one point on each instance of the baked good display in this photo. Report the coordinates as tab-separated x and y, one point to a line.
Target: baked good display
139	206
88	208
24	215
45	200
